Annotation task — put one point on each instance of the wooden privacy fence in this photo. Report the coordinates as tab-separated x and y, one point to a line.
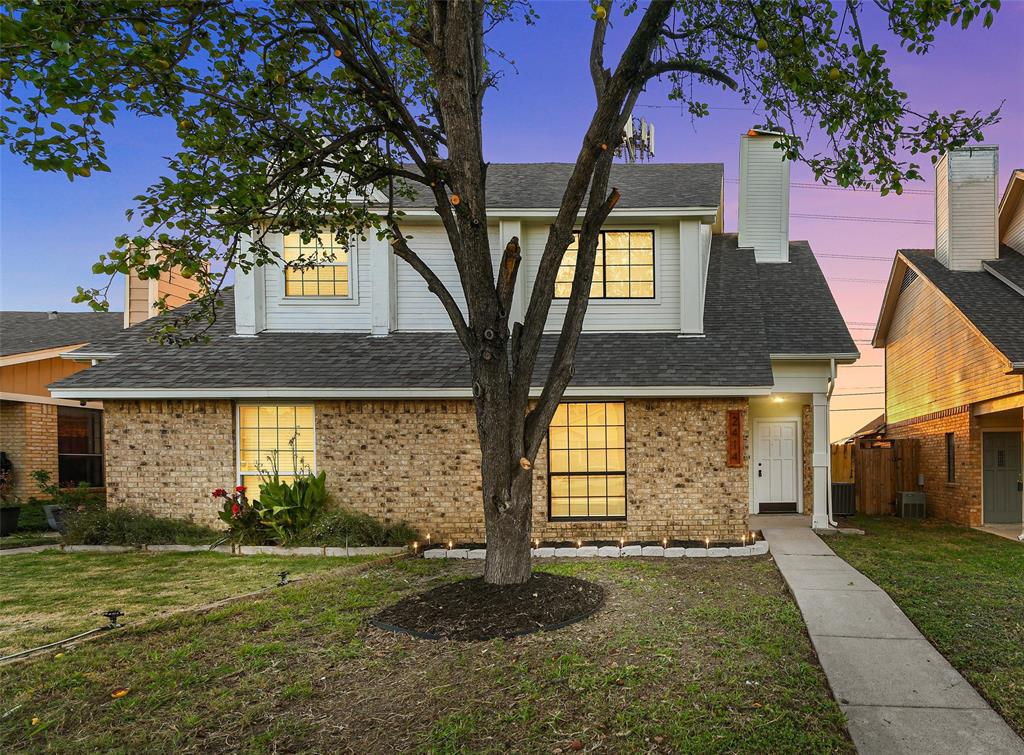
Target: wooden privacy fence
879	470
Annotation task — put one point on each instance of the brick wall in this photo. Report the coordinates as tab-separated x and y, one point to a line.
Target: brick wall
958	501
418	461
166	456
28	434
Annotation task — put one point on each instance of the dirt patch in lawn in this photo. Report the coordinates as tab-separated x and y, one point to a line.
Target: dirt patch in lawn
474	610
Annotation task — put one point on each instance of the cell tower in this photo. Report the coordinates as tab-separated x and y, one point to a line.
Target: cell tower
637	141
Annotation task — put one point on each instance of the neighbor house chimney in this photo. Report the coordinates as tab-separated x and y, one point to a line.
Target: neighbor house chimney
966	198
141	296
764	196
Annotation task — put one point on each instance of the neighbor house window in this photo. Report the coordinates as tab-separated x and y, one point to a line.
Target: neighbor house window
274	437
79	446
624	267
950	457
587	461
328	275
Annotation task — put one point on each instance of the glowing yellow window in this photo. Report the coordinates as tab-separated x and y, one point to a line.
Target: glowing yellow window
623	266
587	461
274	436
317	268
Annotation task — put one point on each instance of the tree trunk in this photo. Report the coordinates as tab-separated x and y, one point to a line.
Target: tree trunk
507	485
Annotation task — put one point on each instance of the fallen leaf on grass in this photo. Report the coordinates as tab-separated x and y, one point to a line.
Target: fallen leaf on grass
119	692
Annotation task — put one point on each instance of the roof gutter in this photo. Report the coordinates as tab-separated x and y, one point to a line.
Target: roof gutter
671	391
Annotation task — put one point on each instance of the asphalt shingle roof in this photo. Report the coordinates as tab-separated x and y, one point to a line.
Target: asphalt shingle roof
540	185
1009	266
994	308
740	335
800	314
21	332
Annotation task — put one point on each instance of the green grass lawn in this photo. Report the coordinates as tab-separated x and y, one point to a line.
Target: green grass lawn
51	595
685	656
963	589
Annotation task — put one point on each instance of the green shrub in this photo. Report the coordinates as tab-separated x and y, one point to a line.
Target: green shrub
98	526
290	507
353	528
70	499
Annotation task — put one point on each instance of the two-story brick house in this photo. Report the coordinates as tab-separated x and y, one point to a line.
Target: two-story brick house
952	326
700	392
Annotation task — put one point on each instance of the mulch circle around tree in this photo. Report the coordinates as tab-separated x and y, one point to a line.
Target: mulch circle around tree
473	610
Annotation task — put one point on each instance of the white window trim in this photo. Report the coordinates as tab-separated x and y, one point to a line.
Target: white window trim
353	282
238	434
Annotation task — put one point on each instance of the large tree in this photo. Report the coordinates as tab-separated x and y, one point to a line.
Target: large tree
292	115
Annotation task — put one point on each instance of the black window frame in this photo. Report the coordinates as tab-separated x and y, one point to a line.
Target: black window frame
950	457
604	270
94	440
624	472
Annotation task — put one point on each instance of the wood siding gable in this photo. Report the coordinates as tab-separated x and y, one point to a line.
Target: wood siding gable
935	360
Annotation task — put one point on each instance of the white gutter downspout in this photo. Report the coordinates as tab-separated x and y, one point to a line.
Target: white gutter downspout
828	434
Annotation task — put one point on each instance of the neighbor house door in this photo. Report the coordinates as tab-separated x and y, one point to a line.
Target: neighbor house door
776	471
1001	467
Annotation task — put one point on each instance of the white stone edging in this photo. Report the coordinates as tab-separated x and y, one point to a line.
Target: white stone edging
613	551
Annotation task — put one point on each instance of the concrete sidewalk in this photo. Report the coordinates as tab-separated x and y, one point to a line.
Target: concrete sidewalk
898	693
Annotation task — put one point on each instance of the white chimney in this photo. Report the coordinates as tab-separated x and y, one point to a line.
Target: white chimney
966	201
764	196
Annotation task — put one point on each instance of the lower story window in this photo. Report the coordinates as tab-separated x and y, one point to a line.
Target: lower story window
274	438
79	446
587	461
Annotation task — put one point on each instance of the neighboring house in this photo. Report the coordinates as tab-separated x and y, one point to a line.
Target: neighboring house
952	326
59	435
700	394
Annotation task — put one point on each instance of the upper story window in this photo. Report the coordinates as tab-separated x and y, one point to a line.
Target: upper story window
329	276
624	268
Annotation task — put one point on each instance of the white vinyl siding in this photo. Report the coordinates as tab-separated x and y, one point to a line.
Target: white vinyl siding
764	199
418	308
659	314
966	231
321	313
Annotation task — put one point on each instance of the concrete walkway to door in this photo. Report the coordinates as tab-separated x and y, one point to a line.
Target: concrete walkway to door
899	694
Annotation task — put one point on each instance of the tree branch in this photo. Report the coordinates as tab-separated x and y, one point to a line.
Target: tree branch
434	285
510	260
689	66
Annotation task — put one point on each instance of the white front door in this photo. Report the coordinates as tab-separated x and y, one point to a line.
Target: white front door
776	475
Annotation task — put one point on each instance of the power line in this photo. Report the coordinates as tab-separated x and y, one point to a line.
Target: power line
863	219
840	256
807	185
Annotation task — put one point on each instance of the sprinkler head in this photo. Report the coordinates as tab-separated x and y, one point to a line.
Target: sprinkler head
112	616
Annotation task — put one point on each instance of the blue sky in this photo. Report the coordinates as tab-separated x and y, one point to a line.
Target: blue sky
51	230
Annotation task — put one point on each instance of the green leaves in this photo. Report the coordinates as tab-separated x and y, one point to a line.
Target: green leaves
813	72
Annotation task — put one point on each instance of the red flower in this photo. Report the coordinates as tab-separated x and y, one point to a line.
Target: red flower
220	493
235	509
240	489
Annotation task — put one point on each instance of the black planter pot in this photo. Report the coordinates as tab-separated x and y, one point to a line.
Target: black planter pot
9	519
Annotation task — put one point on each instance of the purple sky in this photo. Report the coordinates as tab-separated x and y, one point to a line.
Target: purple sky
51	231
